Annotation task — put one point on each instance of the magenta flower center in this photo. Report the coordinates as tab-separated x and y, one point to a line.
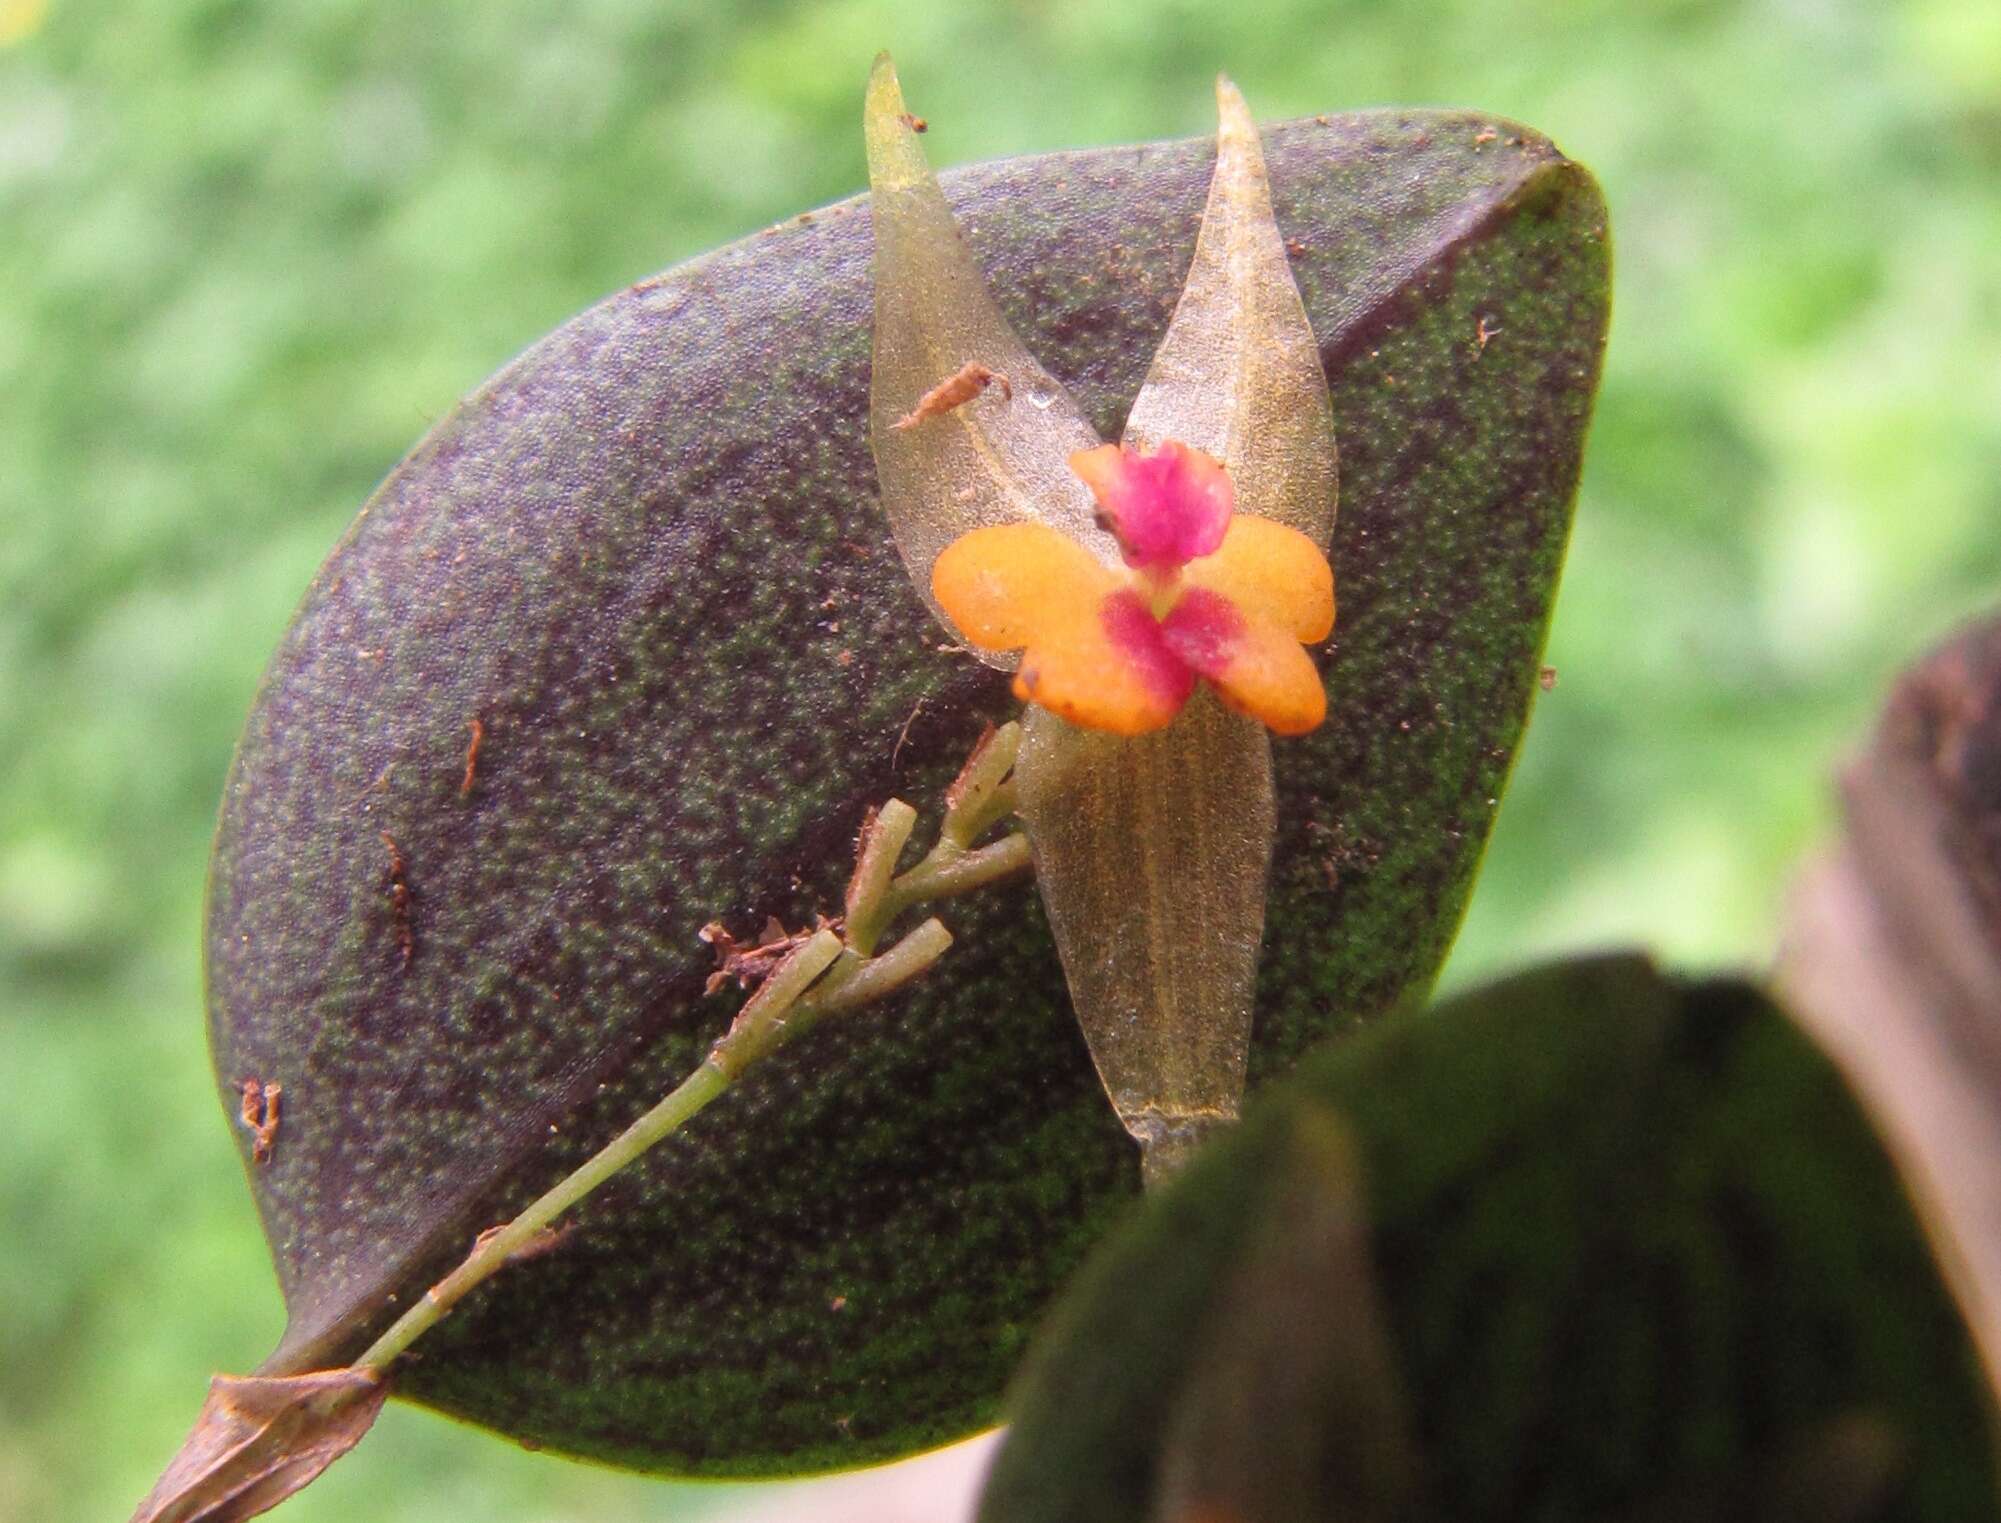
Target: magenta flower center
1167	508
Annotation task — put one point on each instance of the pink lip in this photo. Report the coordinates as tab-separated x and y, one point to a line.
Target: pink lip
1201	630
1132	628
1165	508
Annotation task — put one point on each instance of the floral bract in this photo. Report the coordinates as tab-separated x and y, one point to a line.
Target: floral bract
1209	594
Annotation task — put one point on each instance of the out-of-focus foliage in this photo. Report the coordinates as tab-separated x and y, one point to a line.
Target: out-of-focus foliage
1587	1243
249	251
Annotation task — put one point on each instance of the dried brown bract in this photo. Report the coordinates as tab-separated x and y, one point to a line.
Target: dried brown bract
751	962
546	1241
259	1439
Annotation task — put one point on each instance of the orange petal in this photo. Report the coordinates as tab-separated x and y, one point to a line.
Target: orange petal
1093	652
1107	668
1256	666
1272	573
1002	584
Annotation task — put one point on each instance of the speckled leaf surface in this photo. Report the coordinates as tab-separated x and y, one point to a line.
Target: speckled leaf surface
647	561
1636	1251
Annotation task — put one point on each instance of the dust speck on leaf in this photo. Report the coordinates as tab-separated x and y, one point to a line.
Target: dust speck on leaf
380	785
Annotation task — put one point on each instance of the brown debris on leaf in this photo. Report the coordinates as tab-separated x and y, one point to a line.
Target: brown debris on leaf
1892	955
903	736
751	962
477	729
259	1439
956	390
260	1113
399	899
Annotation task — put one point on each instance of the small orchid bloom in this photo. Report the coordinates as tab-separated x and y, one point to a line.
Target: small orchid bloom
1208	594
1128	580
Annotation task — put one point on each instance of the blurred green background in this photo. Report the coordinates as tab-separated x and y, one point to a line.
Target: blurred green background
249	251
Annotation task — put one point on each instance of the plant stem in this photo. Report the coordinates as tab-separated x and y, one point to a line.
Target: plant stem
756	1030
827	974
941	874
883	838
873	977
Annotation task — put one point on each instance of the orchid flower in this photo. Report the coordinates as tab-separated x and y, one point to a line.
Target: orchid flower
1130	577
1208	593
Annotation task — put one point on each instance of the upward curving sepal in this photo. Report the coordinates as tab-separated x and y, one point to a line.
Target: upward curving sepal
1152	864
998	456
1239	374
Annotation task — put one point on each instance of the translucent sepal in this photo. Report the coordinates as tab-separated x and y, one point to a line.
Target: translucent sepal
999	456
1238	374
1151	855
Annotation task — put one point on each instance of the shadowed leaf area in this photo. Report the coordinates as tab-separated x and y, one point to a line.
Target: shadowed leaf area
1892	952
1632	1252
647	562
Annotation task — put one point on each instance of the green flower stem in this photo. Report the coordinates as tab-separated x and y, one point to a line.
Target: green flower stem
875	977
827	974
757	1030
883	839
983	793
980	797
694	1092
942	875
